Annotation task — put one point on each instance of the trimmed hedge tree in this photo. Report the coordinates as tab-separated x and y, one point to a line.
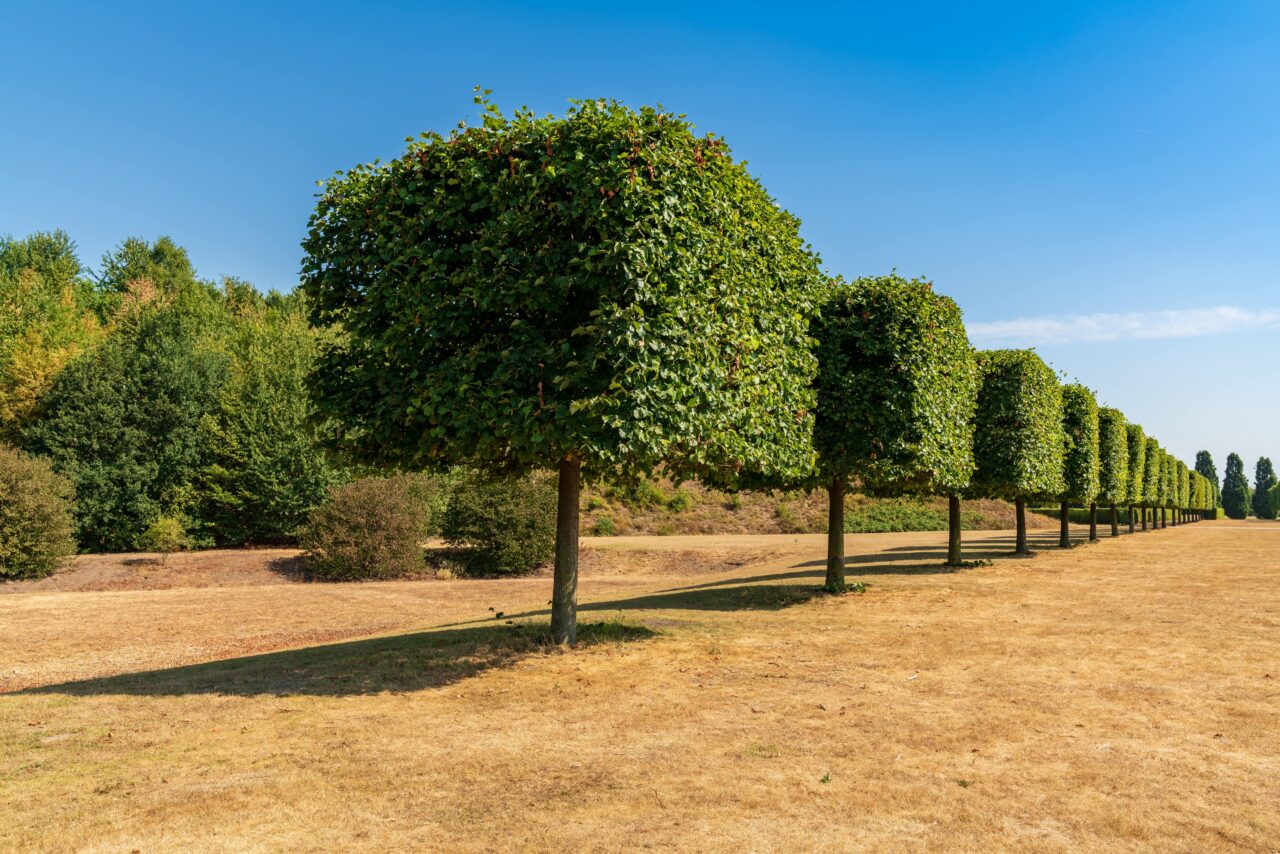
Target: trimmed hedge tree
1080	460
897	385
1017	441
1151	481
1113	462
1137	471
603	291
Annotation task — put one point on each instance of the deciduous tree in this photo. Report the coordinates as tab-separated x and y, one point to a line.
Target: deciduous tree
897	385
1018	443
605	290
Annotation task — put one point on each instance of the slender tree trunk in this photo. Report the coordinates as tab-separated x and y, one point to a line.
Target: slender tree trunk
1164	517
1115	522
1132	521
1093	522
1020	507
1064	526
835	536
954	556
564	596
1143	510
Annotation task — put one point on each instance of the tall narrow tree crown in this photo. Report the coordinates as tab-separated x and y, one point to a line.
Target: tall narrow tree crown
1018	443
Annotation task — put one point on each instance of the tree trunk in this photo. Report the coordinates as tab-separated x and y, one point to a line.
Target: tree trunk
1115	521
1144	517
1164	518
1020	506
1093	522
1064	526
954	557
1132	521
835	536
564	596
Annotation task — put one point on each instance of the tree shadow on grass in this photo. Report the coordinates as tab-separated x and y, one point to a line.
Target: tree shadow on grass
400	663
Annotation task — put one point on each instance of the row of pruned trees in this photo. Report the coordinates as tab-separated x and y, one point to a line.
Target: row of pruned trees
904	405
606	293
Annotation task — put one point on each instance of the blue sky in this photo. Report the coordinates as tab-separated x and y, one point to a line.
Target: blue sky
1040	162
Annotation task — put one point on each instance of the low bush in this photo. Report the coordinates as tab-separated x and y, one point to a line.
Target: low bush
36	524
604	527
165	536
505	525
370	528
886	516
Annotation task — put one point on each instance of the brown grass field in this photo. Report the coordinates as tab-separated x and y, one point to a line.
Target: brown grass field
1121	696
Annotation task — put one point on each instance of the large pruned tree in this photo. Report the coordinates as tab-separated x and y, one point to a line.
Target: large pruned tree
1151	481
1137	472
1080	460
603	291
1113	462
1018	442
897	385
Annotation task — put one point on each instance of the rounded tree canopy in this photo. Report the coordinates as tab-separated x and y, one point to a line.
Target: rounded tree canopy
1017	442
605	284
1137	463
1080	430
897	385
1113	456
1184	485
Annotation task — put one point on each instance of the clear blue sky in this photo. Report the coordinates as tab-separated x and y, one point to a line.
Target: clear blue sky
1037	161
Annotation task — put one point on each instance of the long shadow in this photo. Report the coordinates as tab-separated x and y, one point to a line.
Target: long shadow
408	662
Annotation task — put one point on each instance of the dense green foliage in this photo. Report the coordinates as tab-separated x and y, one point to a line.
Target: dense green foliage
604	285
158	394
123	421
506	525
35	516
1137	441
1152	473
1113	456
1080	429
1235	489
1264	484
265	468
1206	468
1018	443
47	318
373	527
897	386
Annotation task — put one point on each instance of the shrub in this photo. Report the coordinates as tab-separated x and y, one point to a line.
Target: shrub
680	501
35	516
370	528
164	535
507	525
604	527
894	515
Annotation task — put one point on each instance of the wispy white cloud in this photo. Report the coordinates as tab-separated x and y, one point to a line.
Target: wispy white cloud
1173	323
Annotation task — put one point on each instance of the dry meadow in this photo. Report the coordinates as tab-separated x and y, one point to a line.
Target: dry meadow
1119	696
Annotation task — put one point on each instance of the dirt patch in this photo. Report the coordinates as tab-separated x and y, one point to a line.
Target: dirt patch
145	571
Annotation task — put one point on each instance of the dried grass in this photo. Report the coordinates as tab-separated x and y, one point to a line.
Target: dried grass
1123	696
